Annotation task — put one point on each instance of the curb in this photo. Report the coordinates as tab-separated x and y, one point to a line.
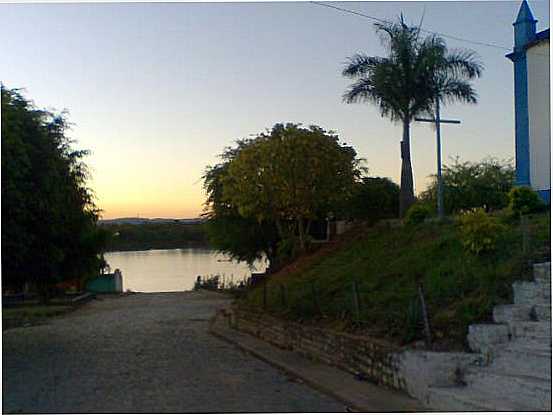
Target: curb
312	381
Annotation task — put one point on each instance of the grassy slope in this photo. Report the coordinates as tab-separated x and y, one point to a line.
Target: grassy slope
386	263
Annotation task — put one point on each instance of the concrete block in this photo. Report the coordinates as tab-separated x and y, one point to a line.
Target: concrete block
423	369
509	312
524	362
532	394
542	312
540	330
483	337
542	271
467	399
530	292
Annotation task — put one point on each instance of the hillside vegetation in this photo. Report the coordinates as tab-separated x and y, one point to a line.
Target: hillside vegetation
386	264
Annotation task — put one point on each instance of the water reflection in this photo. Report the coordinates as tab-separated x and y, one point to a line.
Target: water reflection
162	270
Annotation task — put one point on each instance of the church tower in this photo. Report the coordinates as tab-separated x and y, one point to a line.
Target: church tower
530	59
525	31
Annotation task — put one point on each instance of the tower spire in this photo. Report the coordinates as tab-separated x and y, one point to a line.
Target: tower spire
525	26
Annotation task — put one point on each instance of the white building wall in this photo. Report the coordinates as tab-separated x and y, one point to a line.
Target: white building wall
539	115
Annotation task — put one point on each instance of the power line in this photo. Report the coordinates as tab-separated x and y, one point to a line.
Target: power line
475	42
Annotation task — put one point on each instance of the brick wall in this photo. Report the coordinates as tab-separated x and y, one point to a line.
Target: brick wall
373	359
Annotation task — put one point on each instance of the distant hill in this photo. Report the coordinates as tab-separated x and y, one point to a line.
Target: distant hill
131	234
142	221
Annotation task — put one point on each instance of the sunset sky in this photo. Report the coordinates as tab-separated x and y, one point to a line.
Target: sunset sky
157	91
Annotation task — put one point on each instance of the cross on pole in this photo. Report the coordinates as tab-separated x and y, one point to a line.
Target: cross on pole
437	121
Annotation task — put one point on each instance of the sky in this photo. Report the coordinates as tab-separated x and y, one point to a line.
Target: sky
156	91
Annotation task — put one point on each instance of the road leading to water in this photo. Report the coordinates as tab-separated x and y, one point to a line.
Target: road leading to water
143	353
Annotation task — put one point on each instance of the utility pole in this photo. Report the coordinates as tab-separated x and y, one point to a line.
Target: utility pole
437	121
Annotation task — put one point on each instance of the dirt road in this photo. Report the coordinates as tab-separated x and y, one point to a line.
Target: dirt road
143	353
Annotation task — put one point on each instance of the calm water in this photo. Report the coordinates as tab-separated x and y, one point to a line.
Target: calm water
174	269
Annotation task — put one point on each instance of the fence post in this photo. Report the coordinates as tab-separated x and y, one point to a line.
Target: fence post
427	333
315	298
525	234
355	297
264	293
282	295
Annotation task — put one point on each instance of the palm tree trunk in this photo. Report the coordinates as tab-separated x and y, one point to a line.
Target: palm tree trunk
406	193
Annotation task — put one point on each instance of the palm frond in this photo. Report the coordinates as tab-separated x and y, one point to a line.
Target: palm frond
458	90
464	62
360	64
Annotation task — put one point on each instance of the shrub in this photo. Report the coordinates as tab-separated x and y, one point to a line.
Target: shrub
524	200
468	185
479	231
418	213
372	199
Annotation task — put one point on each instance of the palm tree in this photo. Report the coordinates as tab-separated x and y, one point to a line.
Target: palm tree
407	83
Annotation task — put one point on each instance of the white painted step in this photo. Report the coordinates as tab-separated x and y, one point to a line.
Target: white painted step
543	311
538	330
469	399
483	337
529	391
531	292
542	272
536	363
506	313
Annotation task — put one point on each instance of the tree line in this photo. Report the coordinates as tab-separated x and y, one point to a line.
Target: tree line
49	215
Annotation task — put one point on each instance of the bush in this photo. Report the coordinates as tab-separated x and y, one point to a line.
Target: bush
524	200
470	185
479	231
418	213
372	199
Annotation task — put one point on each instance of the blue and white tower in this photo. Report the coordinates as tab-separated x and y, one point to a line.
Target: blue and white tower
530	57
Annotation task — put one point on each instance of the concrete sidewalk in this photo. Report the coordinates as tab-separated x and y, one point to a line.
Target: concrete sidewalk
359	396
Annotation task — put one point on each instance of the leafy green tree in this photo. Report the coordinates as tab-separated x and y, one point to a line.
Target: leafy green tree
49	217
525	200
372	199
291	176
468	185
243	239
407	83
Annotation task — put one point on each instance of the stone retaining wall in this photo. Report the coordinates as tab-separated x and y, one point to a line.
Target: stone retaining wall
370	359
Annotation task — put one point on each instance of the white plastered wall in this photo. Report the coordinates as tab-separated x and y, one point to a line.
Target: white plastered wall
539	115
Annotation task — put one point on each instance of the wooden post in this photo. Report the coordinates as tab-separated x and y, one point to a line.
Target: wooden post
427	333
315	298
264	293
355	298
525	234
282	295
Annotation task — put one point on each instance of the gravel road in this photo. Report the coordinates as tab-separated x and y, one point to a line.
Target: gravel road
143	353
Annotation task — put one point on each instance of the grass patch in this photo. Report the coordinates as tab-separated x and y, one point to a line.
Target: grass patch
31	315
386	264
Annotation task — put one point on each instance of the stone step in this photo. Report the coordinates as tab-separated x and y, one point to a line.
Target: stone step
542	272
528	391
483	337
522	362
538	330
527	346
543	311
531	292
468	399
506	313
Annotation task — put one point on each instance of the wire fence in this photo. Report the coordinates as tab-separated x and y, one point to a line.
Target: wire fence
407	310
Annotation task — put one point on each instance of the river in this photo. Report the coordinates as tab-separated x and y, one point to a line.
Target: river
164	270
